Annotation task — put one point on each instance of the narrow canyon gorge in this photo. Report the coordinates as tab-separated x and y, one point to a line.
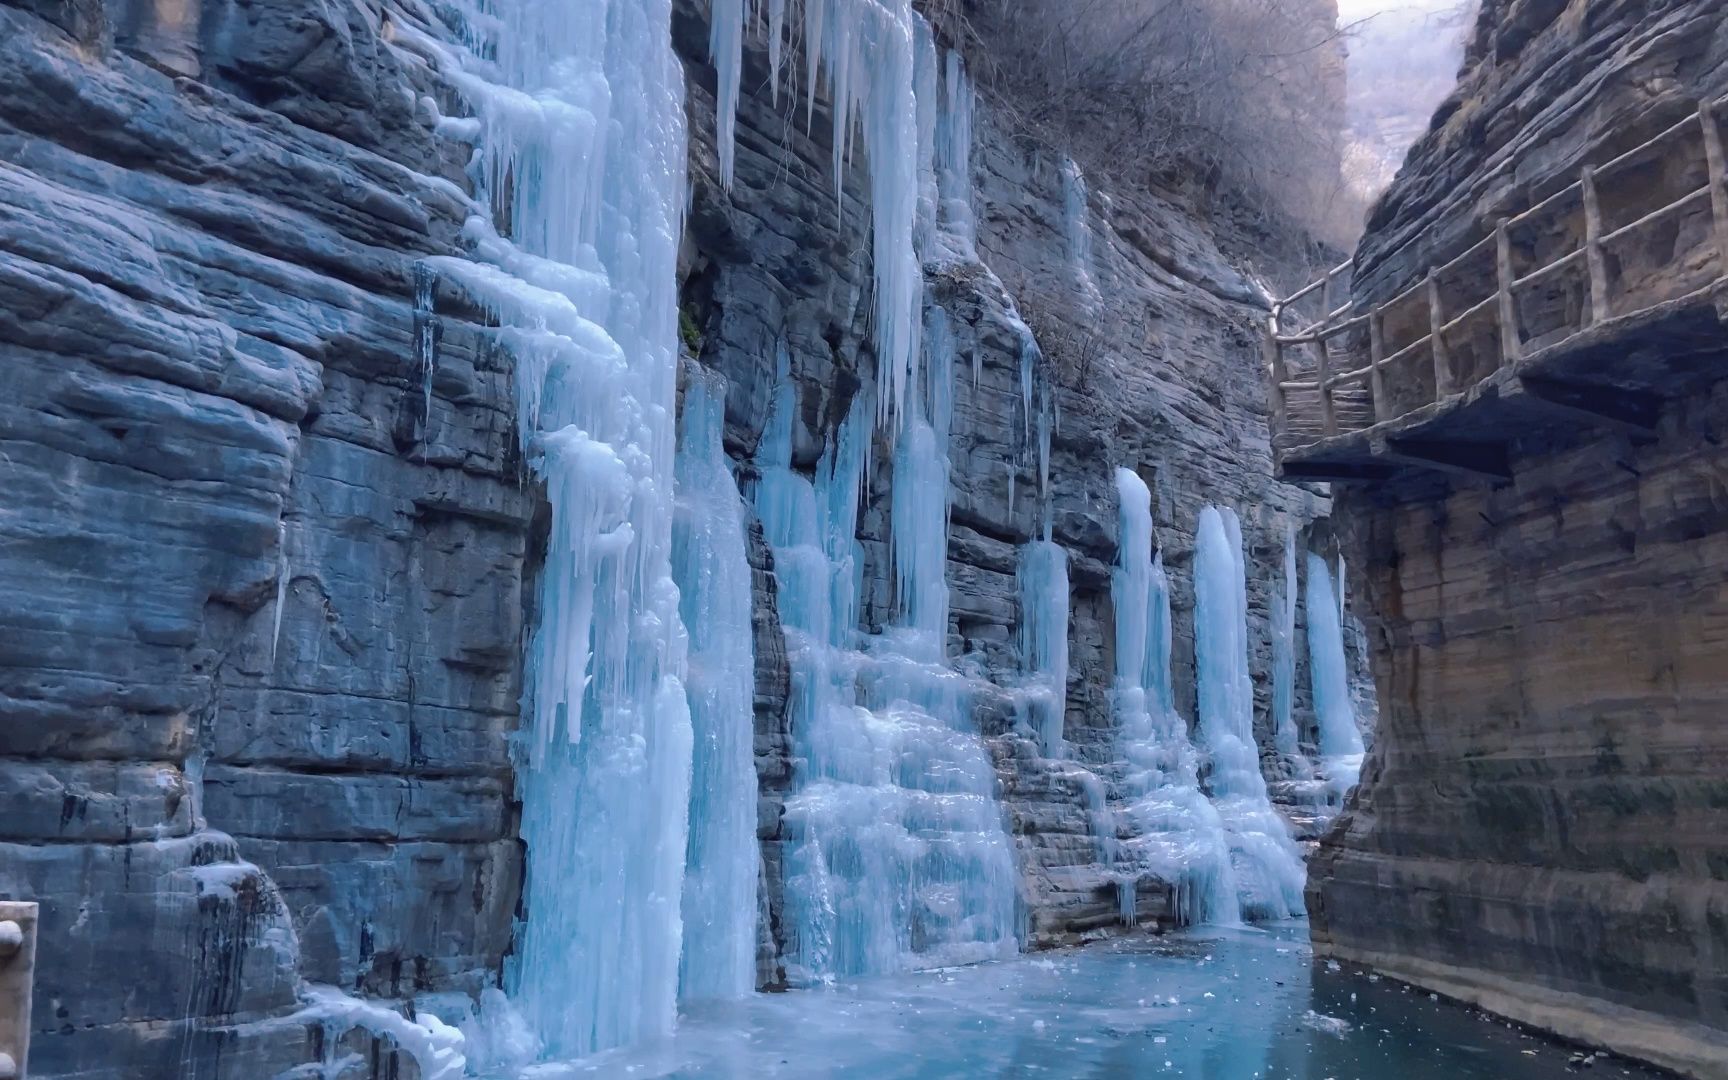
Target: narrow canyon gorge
733	538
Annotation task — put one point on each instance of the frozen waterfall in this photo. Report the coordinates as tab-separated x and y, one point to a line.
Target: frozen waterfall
1043	585
713	574
1177	835
1269	870
1340	740
897	856
580	140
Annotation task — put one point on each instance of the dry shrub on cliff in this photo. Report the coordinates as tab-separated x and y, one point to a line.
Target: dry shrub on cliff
1243	97
1072	348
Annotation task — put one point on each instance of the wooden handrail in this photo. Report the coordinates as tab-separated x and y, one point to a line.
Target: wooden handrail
1656	215
1502	302
1541	272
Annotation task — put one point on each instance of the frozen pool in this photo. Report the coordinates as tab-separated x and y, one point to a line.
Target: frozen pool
1225	1005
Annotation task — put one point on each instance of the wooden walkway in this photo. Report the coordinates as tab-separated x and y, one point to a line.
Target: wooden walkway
1522	332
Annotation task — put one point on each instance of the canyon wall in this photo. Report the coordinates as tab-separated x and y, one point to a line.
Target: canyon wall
1162	379
269	542
260	648
1540	825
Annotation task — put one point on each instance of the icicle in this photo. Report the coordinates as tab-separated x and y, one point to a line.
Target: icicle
776	31
713	576
1284	657
1079	228
926	72
1268	866
919	513
726	52
1340	739
425	338
281	588
1043	586
954	157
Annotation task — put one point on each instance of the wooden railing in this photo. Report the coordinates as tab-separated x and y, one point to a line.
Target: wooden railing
1352	346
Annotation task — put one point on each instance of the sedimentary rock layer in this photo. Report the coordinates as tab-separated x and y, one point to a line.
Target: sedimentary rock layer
1540	824
260	646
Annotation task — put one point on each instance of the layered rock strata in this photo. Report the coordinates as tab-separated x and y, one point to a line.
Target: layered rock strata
260	648
1539	829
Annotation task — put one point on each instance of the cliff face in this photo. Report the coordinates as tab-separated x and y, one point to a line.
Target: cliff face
1543	82
1539	828
1163	380
267	534
264	599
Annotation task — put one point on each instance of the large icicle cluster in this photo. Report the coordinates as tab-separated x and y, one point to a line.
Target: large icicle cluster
579	133
1176	833
897	856
863	53
713	574
1268	867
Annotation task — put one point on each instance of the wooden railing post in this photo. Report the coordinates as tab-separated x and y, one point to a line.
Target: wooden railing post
1437	339
1274	350
1713	158
1323	381
1323	362
1376	374
1593	248
1509	343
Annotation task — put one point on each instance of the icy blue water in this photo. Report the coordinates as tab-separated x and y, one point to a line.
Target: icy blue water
1221	1005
